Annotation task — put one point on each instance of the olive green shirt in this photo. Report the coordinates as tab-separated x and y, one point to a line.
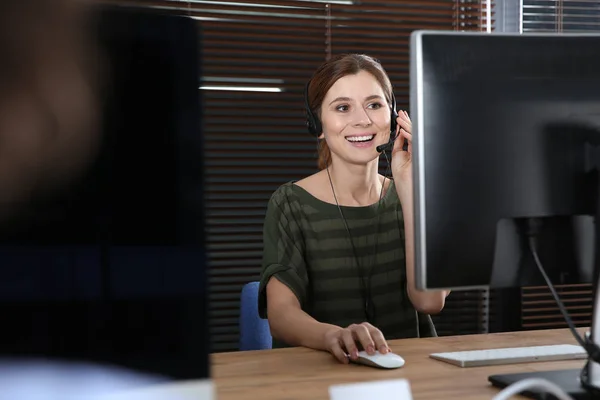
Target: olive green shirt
307	247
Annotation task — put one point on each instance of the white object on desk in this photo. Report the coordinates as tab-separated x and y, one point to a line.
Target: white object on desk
202	389
512	355
395	389
38	379
387	361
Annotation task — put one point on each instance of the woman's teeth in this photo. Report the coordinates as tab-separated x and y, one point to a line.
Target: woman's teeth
360	138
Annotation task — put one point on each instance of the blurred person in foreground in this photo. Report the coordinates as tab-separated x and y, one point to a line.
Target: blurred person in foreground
49	131
49	90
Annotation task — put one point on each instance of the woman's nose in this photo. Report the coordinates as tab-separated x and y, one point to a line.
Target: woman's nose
361	117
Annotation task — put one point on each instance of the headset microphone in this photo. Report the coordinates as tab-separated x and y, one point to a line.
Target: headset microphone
389	145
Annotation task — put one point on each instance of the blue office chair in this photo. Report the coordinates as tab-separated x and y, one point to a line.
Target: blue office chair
254	330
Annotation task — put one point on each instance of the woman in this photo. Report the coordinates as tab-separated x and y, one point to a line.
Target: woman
339	243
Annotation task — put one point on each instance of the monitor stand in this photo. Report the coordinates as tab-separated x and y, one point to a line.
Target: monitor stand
578	383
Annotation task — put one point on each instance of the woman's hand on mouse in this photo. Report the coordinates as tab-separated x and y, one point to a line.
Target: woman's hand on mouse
343	342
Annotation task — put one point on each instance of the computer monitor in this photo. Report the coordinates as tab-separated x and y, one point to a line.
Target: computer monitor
506	129
110	269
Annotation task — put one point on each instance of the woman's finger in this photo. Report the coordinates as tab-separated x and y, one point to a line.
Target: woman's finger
405	134
380	342
404	124
362	335
347	339
338	352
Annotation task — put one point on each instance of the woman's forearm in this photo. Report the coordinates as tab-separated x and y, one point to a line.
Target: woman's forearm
428	302
296	328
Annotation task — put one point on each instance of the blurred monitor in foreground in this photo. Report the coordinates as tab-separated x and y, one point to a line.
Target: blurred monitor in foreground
102	257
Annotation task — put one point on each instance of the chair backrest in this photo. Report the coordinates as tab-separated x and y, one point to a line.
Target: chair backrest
255	333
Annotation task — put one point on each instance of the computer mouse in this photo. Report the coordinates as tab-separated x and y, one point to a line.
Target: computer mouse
378	360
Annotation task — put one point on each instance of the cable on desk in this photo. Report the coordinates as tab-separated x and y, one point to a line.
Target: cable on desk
532	383
561	306
532	232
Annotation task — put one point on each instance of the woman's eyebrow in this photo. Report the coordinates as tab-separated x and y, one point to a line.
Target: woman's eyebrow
371	97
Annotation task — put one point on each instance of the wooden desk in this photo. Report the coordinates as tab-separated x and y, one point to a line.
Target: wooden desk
299	373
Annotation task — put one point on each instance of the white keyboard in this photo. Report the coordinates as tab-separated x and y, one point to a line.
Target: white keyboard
512	355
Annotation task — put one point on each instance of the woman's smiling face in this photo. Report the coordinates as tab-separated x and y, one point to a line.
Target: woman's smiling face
356	118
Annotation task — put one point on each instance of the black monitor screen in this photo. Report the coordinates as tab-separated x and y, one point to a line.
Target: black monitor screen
503	127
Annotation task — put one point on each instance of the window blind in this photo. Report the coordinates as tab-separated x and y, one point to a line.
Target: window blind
257	57
540	311
560	16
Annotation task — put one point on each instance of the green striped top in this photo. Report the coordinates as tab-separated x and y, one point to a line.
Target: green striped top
307	247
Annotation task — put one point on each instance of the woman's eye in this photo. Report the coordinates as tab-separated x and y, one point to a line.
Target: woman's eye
342	108
375	106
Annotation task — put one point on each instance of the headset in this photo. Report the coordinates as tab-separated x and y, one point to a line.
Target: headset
315	128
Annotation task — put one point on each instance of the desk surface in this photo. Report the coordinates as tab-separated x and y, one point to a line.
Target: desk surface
299	373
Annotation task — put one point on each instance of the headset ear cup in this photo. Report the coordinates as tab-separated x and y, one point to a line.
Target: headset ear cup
310	124
394	118
313	125
312	121
318	128
393	124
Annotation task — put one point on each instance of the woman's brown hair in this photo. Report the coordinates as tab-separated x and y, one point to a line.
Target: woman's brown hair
332	70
